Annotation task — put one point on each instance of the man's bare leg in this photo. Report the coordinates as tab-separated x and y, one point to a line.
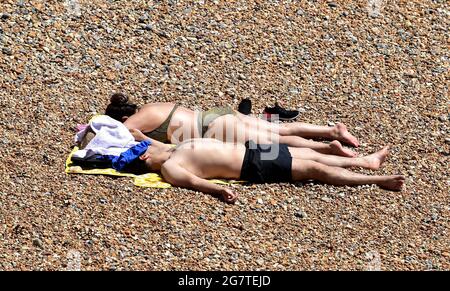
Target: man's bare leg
311	170
372	161
333	148
338	132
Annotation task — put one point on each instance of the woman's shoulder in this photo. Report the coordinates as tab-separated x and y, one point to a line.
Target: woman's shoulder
158	104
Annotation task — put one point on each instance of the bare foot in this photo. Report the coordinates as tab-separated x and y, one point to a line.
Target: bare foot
341	133
337	149
394	183
375	160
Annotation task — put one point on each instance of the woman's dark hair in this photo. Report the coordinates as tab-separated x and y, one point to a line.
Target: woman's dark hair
120	107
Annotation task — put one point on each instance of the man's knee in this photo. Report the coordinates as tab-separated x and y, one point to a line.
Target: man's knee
304	169
314	169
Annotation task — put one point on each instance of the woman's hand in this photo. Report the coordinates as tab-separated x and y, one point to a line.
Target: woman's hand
137	134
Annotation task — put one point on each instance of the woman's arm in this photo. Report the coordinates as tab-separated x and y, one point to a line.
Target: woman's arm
139	136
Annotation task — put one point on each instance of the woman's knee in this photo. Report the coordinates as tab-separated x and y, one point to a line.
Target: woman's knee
284	130
287	139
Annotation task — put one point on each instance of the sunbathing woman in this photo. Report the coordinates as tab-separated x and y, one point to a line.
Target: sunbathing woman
171	123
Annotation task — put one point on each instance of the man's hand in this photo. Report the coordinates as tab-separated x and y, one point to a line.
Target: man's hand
178	176
228	195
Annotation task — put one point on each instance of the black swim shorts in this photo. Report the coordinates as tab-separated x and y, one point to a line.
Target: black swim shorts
257	168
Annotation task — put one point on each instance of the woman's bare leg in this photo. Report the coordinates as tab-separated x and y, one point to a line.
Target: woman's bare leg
338	132
229	129
311	170
372	161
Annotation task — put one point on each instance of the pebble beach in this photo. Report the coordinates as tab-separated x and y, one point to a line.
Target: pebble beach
380	67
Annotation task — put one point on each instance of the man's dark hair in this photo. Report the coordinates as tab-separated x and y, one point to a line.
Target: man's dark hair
137	167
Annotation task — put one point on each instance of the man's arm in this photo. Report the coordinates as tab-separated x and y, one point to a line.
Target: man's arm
179	176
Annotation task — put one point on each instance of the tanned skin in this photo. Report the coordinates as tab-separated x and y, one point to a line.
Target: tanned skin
192	162
239	128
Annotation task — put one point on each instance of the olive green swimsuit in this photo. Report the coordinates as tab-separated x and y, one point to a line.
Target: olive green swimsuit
207	117
204	120
160	133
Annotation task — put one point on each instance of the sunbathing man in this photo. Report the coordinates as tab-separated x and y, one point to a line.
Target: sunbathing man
193	161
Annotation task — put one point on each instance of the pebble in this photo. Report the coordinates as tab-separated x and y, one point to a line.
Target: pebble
443	117
4	16
300	12
300	214
143	19
148	27
38	243
332	4
326	199
7	51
